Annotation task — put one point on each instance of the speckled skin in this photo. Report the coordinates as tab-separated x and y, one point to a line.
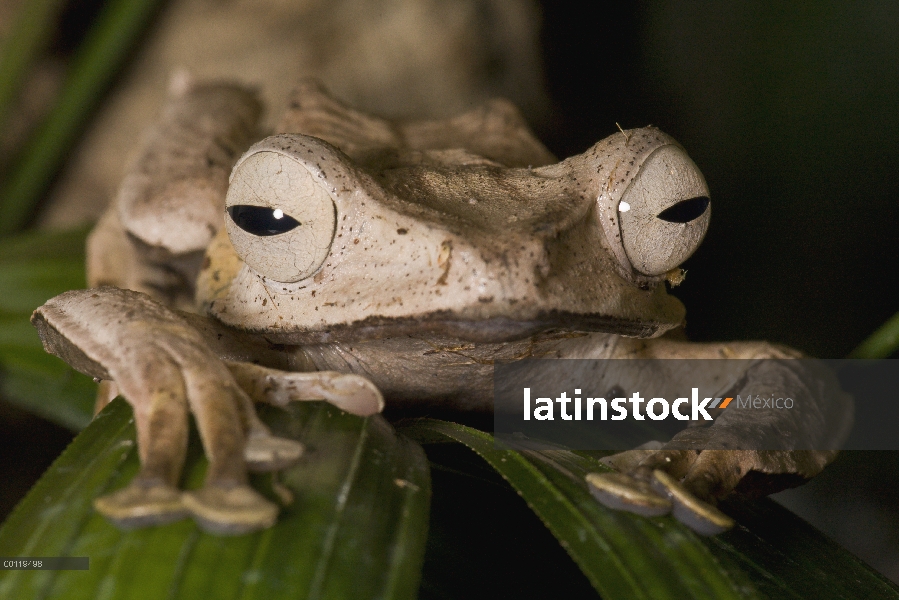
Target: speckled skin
463	243
425	252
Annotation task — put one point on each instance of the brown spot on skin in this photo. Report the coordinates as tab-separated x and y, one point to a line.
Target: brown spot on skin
319	277
402	231
264	301
206	263
444	259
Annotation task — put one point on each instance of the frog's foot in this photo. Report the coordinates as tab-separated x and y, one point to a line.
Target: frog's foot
753	452
653	492
266	452
657	486
141	504
695	480
230	509
688	481
165	369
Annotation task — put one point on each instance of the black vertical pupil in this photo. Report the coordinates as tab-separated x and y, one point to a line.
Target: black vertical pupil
260	220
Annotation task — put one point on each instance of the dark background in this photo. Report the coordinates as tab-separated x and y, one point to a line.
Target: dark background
790	111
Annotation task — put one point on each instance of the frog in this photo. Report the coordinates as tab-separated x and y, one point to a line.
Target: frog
368	262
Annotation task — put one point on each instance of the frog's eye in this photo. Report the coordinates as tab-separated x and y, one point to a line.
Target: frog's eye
262	220
665	212
281	221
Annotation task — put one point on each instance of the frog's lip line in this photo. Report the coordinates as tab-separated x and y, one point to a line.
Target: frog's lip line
490	330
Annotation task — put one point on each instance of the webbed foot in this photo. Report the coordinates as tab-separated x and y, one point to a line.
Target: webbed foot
650	488
166	371
754	452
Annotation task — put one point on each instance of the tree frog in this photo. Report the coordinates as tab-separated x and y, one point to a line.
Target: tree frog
352	259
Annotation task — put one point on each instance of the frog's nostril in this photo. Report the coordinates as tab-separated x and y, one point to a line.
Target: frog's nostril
685	210
261	220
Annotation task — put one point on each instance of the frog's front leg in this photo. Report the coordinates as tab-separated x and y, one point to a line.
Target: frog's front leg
758	451
160	417
164	367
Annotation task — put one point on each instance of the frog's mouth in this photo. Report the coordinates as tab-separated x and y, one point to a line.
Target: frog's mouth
356	305
490	330
316	313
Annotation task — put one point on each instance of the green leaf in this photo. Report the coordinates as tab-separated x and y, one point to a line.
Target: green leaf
770	554
34	267
46	386
883	343
356	528
788	558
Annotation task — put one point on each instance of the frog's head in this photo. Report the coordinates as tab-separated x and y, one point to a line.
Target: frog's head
317	248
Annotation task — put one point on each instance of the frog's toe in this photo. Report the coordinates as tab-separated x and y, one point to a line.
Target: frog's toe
142	504
623	492
698	515
265	452
230	510
355	395
694	480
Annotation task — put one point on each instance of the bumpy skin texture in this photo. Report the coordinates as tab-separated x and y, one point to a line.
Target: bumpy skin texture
403	259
